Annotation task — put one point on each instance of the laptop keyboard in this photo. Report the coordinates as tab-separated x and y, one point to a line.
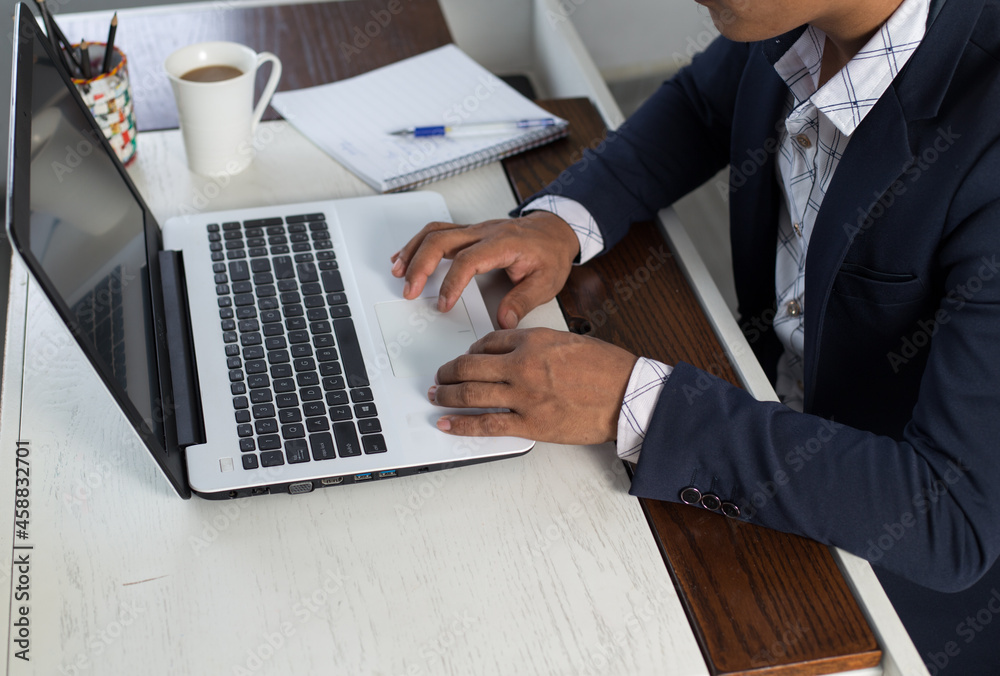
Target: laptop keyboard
299	384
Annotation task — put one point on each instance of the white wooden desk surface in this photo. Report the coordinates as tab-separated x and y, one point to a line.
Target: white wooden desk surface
535	565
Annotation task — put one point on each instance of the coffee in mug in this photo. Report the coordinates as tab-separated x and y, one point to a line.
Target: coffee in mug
212	74
213	87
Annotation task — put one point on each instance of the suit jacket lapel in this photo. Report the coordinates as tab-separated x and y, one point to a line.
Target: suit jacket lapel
863	176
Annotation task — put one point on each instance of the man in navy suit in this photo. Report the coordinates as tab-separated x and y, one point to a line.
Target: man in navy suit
863	140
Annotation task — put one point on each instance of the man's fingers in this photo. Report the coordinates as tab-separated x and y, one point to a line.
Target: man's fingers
497	342
436	245
476	259
528	294
402	257
484	425
484	368
471	395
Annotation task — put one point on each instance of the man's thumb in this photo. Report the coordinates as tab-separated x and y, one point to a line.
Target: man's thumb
522	299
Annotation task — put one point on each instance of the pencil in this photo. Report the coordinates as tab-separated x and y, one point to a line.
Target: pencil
57	36
85	60
109	49
47	20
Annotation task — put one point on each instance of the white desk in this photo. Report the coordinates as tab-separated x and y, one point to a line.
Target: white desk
540	564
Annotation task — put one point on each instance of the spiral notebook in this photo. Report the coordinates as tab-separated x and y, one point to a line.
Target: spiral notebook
352	120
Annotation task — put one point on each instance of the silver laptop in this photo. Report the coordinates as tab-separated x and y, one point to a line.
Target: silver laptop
254	351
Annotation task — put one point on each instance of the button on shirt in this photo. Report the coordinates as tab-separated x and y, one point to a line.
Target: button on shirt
819	122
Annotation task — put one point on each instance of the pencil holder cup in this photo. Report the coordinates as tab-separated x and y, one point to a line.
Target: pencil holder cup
109	98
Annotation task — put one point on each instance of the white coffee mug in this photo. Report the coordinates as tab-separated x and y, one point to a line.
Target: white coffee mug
218	119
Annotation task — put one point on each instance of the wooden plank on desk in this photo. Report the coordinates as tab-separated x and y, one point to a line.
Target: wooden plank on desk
760	601
317	43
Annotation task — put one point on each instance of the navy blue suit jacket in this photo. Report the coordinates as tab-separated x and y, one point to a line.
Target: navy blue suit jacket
902	315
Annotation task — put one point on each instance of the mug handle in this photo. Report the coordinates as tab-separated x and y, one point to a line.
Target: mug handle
272	84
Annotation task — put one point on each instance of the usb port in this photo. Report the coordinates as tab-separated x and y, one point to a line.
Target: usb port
260	490
332	481
386	473
362	477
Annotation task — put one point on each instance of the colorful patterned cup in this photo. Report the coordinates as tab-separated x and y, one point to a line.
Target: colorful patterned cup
109	98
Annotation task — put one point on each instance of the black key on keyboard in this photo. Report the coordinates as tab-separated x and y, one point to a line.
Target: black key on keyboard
269	442
266	426
322	446
374	443
262	265
365	410
262	222
361	395
317	424
272	459
259	380
260	396
250	461
313	408
337	398
286	400
311	393
350	353
263	411
307	272
297	451
347	439
369	426
294	431
332	281
289	415
331	368
283	268
281	371
340	413
253	352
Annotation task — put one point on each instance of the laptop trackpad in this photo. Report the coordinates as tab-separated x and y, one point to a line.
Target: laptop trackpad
419	339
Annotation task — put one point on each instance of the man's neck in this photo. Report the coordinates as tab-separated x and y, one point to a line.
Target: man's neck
847	33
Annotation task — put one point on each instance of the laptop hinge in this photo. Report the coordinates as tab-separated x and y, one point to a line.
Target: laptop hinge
180	348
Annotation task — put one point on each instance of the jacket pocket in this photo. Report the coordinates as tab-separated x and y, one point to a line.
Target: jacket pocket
874	286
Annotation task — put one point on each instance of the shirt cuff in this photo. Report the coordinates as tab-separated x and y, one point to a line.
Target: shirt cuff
644	387
574	213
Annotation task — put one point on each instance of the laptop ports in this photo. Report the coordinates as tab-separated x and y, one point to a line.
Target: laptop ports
332	481
301	487
385	474
362	477
260	490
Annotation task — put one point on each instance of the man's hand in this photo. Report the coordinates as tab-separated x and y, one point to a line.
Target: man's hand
558	387
536	250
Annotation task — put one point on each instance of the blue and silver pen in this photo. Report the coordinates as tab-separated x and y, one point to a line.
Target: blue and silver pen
489	128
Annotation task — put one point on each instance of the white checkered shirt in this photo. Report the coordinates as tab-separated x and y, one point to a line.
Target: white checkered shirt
818	126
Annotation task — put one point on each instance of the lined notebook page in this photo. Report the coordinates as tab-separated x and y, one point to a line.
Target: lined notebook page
352	120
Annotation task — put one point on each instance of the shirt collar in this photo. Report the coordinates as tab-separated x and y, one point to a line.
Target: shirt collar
851	94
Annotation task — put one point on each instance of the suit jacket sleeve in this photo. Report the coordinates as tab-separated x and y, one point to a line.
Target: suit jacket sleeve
675	142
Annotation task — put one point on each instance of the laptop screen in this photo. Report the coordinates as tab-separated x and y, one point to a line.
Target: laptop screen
82	230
